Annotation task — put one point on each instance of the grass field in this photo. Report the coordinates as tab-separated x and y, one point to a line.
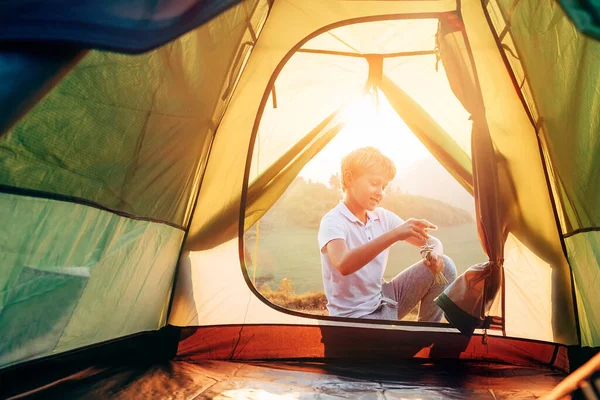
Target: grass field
293	253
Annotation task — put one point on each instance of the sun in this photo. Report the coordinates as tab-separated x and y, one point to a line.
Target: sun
369	120
372	121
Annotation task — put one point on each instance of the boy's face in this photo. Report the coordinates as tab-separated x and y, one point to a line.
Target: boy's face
367	189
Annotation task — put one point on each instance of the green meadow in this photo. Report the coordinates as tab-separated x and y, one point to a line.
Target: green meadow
292	252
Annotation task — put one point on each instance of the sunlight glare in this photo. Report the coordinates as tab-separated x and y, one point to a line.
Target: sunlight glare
363	111
368	124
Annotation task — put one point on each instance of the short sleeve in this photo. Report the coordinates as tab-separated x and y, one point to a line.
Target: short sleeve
331	228
392	220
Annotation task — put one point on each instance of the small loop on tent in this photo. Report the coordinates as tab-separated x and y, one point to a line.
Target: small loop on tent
510	51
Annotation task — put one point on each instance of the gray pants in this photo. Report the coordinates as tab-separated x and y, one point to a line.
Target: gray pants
413	286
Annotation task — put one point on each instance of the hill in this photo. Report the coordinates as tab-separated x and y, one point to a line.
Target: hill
429	178
305	202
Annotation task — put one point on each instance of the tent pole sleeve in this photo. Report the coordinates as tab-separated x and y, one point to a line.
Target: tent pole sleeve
260	195
430	133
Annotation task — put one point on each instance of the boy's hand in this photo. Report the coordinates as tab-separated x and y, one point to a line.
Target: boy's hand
435	263
414	228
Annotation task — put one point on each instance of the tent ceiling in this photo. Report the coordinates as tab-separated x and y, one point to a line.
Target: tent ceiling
379	37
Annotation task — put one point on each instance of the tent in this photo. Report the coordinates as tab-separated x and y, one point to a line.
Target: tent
141	141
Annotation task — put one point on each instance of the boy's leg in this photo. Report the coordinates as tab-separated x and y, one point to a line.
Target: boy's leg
417	284
384	312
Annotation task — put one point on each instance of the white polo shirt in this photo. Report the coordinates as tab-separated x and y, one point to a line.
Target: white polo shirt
359	293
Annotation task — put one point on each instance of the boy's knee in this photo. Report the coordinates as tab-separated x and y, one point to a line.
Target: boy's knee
449	268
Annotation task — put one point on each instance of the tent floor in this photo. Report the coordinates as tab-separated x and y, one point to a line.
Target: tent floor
410	379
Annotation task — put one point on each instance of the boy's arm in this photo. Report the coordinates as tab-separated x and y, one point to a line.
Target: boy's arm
348	261
396	221
436	264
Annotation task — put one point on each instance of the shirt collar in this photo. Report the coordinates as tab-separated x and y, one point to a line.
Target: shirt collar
371	215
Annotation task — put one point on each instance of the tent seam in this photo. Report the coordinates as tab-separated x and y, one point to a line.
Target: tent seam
40	194
581	230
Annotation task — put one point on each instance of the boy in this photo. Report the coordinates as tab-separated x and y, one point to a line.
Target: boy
354	239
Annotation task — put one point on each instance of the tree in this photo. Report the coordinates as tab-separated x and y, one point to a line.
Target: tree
335	181
286	286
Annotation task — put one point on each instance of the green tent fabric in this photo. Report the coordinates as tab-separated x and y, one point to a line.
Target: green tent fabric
89	155
61	289
584	253
37	307
562	71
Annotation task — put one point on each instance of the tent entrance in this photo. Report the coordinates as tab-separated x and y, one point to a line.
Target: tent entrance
366	83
